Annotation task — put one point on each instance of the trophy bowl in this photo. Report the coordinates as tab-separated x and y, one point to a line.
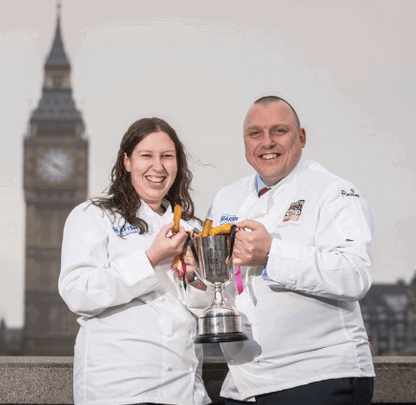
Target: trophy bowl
220	322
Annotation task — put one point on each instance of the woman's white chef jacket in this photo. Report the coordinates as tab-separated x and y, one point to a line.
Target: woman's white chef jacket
302	318
136	340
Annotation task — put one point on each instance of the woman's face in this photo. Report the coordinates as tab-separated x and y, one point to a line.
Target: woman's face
153	167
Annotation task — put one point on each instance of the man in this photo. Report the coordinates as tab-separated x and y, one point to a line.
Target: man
305	252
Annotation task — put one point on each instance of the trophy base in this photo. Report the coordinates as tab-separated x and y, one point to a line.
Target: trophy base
220	328
222	337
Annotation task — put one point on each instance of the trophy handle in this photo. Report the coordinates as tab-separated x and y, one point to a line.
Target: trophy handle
190	243
232	240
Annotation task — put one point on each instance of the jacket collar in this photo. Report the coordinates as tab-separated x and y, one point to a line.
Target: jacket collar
254	207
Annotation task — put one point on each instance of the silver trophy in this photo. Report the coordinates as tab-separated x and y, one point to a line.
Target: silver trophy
220	322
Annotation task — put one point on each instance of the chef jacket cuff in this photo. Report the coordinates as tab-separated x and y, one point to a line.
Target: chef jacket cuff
136	268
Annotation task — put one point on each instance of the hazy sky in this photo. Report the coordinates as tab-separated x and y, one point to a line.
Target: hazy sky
347	66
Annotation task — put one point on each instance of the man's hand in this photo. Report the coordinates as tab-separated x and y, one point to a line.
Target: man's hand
251	248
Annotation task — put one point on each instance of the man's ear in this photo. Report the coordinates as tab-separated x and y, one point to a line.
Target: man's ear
302	136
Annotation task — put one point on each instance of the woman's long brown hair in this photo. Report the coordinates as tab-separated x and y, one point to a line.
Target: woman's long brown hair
123	199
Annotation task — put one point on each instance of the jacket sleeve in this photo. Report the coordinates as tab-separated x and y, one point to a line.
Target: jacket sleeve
89	283
338	264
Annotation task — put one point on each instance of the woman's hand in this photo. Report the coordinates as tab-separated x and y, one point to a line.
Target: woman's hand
165	246
191	265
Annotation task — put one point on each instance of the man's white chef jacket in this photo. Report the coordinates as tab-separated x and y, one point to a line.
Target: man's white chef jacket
136	340
302	317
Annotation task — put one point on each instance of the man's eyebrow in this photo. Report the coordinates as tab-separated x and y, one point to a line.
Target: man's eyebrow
253	127
280	125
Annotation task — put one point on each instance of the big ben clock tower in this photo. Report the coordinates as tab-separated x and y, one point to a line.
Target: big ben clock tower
55	180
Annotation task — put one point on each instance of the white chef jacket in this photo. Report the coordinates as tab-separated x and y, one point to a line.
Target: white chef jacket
136	337
302	317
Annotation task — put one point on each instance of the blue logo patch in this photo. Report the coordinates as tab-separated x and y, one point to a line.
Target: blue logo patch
127	230
228	219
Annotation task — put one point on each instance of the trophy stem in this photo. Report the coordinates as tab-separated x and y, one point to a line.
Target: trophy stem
218	297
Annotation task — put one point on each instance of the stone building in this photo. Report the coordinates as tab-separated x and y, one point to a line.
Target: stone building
55	180
11	340
389	316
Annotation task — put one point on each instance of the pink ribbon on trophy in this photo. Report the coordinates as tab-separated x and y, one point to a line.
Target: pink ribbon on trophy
238	280
179	267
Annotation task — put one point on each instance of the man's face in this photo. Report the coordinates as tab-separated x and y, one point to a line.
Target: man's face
273	140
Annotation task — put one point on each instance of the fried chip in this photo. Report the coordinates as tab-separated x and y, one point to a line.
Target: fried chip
207	227
177	213
220	230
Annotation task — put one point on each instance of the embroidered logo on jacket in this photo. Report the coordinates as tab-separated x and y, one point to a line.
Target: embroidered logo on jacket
228	219
352	193
127	230
294	211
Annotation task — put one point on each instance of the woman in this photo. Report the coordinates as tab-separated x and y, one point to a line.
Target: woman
135	343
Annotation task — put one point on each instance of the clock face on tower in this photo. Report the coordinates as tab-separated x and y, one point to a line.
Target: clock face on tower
55	165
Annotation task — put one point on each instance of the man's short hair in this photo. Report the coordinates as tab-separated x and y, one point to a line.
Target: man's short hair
274	99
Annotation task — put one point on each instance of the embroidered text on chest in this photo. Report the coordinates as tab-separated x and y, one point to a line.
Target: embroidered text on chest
294	211
127	230
228	218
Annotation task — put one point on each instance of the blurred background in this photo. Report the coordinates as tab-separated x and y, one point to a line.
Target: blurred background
348	68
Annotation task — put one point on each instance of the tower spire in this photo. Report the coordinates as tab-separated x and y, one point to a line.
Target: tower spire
57	57
57	101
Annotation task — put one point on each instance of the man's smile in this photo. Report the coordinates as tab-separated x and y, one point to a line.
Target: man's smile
268	156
